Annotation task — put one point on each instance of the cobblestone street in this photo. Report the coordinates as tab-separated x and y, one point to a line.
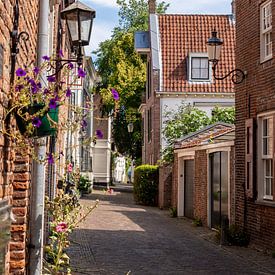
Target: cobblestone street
120	237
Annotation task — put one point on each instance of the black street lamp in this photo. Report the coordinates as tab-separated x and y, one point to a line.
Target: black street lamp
214	45
79	19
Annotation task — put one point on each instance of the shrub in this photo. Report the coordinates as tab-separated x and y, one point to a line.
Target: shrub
173	212
146	185
84	185
197	222
238	236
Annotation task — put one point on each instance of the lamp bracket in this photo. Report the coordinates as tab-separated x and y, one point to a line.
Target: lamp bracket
237	75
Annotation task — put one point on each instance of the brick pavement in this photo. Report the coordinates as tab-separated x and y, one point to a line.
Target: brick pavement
120	237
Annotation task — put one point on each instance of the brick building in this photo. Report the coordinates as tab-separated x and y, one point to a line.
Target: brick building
178	70
22	189
255	109
203	178
15	167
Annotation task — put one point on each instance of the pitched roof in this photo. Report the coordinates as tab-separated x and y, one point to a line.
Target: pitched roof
215	133
181	35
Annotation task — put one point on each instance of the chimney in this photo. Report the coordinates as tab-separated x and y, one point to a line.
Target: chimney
152	6
233	9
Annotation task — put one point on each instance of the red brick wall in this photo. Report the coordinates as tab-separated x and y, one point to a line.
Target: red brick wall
165	186
253	96
174	193
200	186
15	168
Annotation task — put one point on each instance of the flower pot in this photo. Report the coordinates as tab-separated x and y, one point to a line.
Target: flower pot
45	128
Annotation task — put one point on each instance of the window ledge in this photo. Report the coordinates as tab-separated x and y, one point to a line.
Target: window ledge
265	203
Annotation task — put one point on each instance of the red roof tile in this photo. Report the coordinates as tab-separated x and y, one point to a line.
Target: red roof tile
181	35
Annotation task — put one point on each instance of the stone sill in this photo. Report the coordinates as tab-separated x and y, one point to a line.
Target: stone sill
265	203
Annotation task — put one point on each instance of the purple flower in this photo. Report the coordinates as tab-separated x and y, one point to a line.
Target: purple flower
46	91
68	92
36	70
70	66
46	58
50	158
34	89
36	122
81	72
32	82
19	87
60	53
52	103
84	123
38	84
115	94
20	72
99	134
51	78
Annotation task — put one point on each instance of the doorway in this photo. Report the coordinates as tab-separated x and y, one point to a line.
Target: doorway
219	187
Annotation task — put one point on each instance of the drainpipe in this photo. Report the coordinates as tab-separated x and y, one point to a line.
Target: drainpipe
38	171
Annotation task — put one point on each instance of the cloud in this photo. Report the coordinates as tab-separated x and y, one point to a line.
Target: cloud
200	6
101	32
103	3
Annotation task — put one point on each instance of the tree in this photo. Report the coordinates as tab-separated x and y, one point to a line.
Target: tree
187	119
121	68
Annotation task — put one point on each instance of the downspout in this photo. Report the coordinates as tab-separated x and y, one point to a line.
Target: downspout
38	171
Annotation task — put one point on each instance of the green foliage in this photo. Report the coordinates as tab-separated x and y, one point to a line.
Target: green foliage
238	236
173	212
197	222
84	185
226	115
146	184
134	14
123	69
187	119
180	122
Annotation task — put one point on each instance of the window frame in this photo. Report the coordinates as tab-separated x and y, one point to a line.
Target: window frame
263	159
265	32
190	70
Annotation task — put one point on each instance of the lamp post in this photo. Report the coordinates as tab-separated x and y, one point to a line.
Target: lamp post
214	46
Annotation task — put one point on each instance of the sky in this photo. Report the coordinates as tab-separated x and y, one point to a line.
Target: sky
107	15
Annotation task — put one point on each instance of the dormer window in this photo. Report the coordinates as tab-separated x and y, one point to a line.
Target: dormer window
198	67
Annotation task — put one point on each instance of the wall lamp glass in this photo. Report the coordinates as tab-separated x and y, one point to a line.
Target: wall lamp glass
214	45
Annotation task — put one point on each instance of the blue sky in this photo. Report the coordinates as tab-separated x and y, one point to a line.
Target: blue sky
107	18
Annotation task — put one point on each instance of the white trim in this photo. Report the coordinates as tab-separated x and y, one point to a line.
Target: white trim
219	147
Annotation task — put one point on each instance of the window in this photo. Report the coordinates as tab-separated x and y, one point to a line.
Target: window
199	67
266	31
266	152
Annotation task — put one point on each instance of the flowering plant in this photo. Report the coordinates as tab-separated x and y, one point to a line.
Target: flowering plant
36	94
65	214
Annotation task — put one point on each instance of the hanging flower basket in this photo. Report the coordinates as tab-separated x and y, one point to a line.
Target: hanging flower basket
46	121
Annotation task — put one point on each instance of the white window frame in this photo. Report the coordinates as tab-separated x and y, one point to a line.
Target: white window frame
264	159
198	55
266	31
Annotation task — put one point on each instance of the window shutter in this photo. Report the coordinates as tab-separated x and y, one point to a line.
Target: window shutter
249	132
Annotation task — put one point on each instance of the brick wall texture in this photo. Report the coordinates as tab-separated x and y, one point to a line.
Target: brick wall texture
14	164
255	95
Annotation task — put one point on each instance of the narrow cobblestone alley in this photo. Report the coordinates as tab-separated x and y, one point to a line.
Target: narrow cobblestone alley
120	237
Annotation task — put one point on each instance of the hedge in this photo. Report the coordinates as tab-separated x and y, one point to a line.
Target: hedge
146	179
